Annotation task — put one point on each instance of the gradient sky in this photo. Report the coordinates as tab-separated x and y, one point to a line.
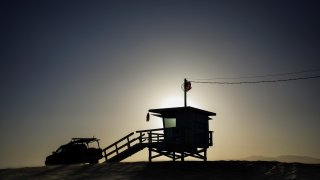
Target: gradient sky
93	68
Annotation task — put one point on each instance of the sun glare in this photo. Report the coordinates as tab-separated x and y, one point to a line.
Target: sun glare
176	101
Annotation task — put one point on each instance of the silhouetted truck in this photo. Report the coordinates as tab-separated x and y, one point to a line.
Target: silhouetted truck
75	152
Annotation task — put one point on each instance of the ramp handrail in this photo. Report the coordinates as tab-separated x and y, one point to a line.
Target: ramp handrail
116	146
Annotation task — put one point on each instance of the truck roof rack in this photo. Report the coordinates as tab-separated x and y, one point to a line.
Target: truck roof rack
84	140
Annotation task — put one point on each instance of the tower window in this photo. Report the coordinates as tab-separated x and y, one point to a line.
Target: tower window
169	122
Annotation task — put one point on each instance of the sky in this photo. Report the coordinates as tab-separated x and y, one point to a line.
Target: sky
93	68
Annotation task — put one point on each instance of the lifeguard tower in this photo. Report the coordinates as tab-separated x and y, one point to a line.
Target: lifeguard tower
185	133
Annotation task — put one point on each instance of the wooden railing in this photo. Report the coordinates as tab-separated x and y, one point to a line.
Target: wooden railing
154	136
119	146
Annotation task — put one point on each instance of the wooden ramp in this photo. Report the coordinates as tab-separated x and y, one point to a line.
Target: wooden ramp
124	148
130	144
127	153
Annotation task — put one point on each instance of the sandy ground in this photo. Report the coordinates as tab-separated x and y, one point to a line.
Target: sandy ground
215	170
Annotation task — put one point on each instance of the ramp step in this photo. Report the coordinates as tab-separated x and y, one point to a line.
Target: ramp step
127	153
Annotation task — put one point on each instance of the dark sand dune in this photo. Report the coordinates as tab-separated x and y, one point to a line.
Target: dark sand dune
285	158
171	170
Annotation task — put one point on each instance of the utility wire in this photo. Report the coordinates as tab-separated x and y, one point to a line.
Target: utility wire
260	76
256	82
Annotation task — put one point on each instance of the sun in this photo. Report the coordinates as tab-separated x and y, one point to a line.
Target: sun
176	101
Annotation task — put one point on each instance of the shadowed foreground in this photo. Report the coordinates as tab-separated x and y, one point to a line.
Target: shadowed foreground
170	170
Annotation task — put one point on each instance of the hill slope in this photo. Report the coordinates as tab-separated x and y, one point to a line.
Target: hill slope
285	158
170	170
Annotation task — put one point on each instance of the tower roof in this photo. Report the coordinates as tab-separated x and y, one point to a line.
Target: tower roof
173	110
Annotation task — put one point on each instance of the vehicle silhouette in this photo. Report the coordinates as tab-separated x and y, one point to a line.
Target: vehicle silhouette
77	151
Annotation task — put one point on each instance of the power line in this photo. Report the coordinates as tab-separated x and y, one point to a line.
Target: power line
260	81
260	76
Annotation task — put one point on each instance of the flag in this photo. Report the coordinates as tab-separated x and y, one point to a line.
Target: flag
187	86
